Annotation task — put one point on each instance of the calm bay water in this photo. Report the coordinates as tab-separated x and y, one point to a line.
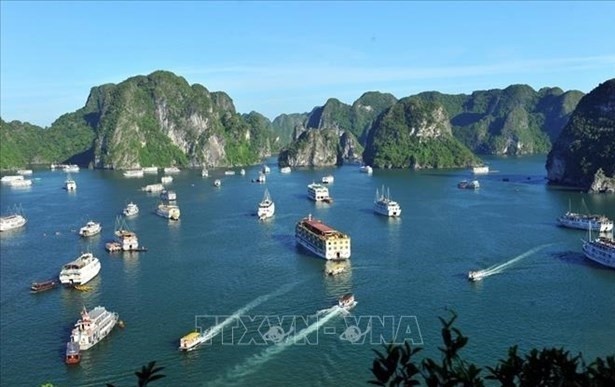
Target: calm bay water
219	259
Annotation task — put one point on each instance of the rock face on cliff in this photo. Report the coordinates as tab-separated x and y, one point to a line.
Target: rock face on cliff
321	148
284	127
512	121
416	134
584	154
336	127
160	119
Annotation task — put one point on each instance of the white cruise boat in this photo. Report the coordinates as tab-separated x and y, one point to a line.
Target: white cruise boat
24	171
172	170
328	179
194	339
480	170
229	172
285	170
168	211
153	187
131	209
204	172
266	169
366	169
347	301
126	240
318	193
12	221
151	169
385	206
217	183
266	208
93	326
11	178
70	184
134	173
71	168
91	228
80	271
600	250
321	239
242	172
168	196
166	179
21	183
594	222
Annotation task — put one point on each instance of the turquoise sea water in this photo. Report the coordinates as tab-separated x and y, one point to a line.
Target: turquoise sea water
219	260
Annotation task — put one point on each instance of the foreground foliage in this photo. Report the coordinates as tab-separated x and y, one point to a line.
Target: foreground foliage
398	366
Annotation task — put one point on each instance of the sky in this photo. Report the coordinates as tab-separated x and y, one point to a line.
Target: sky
290	56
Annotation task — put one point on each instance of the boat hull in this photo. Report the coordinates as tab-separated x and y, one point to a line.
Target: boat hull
602	253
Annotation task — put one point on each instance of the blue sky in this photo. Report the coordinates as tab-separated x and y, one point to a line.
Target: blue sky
287	57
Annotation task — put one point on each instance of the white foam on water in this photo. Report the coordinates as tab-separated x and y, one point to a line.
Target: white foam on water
496	269
252	364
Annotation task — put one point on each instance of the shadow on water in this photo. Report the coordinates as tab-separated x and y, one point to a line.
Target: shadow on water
286	240
576	258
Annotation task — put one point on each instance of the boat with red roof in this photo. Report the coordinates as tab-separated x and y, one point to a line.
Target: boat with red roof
321	239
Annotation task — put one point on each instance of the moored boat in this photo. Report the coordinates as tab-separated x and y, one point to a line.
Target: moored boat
80	271
71	168
600	250
13	221
328	179
134	173
151	169
168	195
73	356
92	327
266	208
169	211
21	183
24	171
229	173
70	184
595	222
131	209
285	169
480	170
366	169
11	178
38	287
383	204
265	169
217	183
321	239
153	187
125	239
166	179
172	170
204	172
261	178
91	228
318	192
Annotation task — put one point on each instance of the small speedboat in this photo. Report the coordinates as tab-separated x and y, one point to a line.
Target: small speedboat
347	301
72	353
476	275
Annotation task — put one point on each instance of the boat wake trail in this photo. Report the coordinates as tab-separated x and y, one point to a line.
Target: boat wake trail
496	269
256	361
216	329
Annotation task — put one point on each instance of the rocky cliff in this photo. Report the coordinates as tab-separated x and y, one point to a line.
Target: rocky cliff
511	121
415	133
584	154
337	127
